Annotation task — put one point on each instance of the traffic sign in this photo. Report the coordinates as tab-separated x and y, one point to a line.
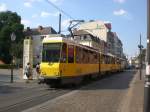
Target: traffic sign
13	37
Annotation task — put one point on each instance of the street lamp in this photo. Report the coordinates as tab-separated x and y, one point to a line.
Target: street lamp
140	46
13	38
147	75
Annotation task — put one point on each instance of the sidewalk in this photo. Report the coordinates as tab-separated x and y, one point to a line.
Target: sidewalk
88	101
18	82
5	75
134	101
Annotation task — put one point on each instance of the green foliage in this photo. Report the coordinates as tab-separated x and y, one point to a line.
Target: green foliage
10	22
7	66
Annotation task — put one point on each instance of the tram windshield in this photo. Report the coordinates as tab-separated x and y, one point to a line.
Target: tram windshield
51	52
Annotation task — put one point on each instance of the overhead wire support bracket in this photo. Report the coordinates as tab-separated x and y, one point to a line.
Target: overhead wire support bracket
74	25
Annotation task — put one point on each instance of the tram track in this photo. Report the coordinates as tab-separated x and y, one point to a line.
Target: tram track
35	95
29	102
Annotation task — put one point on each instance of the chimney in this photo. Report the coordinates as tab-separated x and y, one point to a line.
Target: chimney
108	25
40	28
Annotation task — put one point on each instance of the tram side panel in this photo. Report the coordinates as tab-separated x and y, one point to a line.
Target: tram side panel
79	62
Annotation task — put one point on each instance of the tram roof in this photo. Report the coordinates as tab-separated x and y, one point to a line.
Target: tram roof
58	38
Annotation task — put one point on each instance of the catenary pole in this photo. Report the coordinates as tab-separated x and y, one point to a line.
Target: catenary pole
59	32
140	46
147	75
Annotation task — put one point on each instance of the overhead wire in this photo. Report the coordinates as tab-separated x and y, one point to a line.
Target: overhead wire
62	11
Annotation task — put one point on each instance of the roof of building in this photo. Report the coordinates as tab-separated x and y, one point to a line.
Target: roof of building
39	31
80	32
2	62
108	25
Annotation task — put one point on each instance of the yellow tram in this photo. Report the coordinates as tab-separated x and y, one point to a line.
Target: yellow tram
65	61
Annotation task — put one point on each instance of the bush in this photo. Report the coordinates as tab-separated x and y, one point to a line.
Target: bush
6	66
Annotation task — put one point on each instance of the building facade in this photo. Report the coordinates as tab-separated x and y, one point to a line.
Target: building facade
37	35
95	28
109	41
118	46
85	38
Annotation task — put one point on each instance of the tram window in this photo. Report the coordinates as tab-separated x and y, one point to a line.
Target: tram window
51	52
93	57
79	55
103	59
85	57
112	60
70	53
89	57
119	61
107	59
96	57
115	61
100	59
63	53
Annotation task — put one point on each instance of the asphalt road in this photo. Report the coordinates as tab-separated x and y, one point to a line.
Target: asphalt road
109	93
18	97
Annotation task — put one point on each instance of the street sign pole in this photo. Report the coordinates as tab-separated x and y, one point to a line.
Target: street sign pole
13	38
147	76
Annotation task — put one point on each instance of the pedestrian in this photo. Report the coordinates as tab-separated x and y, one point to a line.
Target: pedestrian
38	73
28	72
38	70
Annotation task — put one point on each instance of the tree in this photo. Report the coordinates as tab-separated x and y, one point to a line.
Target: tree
10	22
143	55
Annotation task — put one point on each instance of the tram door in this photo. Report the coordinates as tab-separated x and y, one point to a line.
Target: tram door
67	60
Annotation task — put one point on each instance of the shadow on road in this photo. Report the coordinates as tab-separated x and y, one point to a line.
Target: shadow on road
7	89
7	78
115	81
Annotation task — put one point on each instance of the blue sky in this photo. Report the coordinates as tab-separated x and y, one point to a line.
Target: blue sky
128	17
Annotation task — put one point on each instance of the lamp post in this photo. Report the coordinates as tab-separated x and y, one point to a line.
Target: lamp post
13	38
140	46
147	75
